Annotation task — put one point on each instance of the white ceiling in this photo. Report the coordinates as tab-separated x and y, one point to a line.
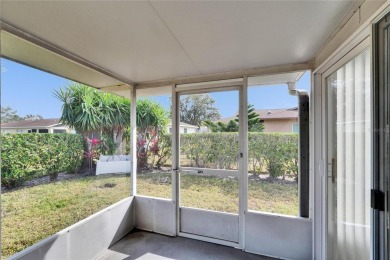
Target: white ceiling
33	55
144	41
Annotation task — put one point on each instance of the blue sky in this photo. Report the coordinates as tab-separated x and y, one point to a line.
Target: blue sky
29	91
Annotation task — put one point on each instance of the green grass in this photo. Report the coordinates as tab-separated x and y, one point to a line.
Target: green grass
221	194
31	214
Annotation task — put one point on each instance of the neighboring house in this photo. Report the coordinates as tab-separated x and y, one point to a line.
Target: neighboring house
276	120
52	125
184	128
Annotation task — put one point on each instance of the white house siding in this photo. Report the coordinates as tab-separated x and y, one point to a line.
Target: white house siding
14	131
184	128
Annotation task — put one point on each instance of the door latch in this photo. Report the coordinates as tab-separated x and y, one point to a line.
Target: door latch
377	200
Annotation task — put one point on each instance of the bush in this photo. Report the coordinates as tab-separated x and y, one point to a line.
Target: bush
277	153
25	156
162	150
216	150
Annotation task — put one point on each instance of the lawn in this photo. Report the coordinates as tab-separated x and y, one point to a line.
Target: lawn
31	214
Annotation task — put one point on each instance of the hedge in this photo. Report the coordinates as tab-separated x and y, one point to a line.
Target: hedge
272	153
25	156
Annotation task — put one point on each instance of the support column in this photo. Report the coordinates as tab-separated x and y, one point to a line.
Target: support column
133	141
176	156
243	161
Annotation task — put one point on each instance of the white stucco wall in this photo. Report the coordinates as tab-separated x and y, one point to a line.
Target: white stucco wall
20	131
279	125
13	131
183	129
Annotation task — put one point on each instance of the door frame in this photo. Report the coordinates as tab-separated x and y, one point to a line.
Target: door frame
381	77
240	85
319	117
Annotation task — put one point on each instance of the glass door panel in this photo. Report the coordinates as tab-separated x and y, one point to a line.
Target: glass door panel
349	159
209	149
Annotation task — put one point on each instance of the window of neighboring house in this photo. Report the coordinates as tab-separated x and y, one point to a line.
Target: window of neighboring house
19	130
43	131
295	128
59	131
32	130
185	130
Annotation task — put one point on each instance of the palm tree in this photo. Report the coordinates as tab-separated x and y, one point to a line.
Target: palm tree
151	119
88	111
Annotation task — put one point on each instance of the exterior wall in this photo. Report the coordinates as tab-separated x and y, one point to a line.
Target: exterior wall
20	131
68	130
358	19
279	125
14	131
190	129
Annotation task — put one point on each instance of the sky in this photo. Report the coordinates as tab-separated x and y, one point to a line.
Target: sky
30	91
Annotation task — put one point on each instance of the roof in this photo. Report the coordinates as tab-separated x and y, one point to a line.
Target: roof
160	40
271	114
32	123
278	113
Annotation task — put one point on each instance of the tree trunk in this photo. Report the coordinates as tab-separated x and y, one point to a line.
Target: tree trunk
118	138
87	150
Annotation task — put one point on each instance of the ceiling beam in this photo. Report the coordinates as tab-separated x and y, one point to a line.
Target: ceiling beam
115	88
280	69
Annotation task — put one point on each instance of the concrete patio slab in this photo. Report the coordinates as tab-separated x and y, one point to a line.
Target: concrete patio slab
142	245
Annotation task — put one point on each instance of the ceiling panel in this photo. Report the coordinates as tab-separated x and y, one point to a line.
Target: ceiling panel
145	41
125	37
17	49
232	35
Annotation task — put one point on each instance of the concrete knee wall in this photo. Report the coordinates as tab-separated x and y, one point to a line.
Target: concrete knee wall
86	239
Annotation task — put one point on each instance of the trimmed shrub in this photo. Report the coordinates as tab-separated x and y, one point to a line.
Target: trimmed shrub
25	156
216	150
275	153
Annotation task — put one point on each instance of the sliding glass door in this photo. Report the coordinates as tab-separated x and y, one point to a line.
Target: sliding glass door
349	159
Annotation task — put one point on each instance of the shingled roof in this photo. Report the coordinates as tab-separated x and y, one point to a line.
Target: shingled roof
270	114
278	113
40	123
